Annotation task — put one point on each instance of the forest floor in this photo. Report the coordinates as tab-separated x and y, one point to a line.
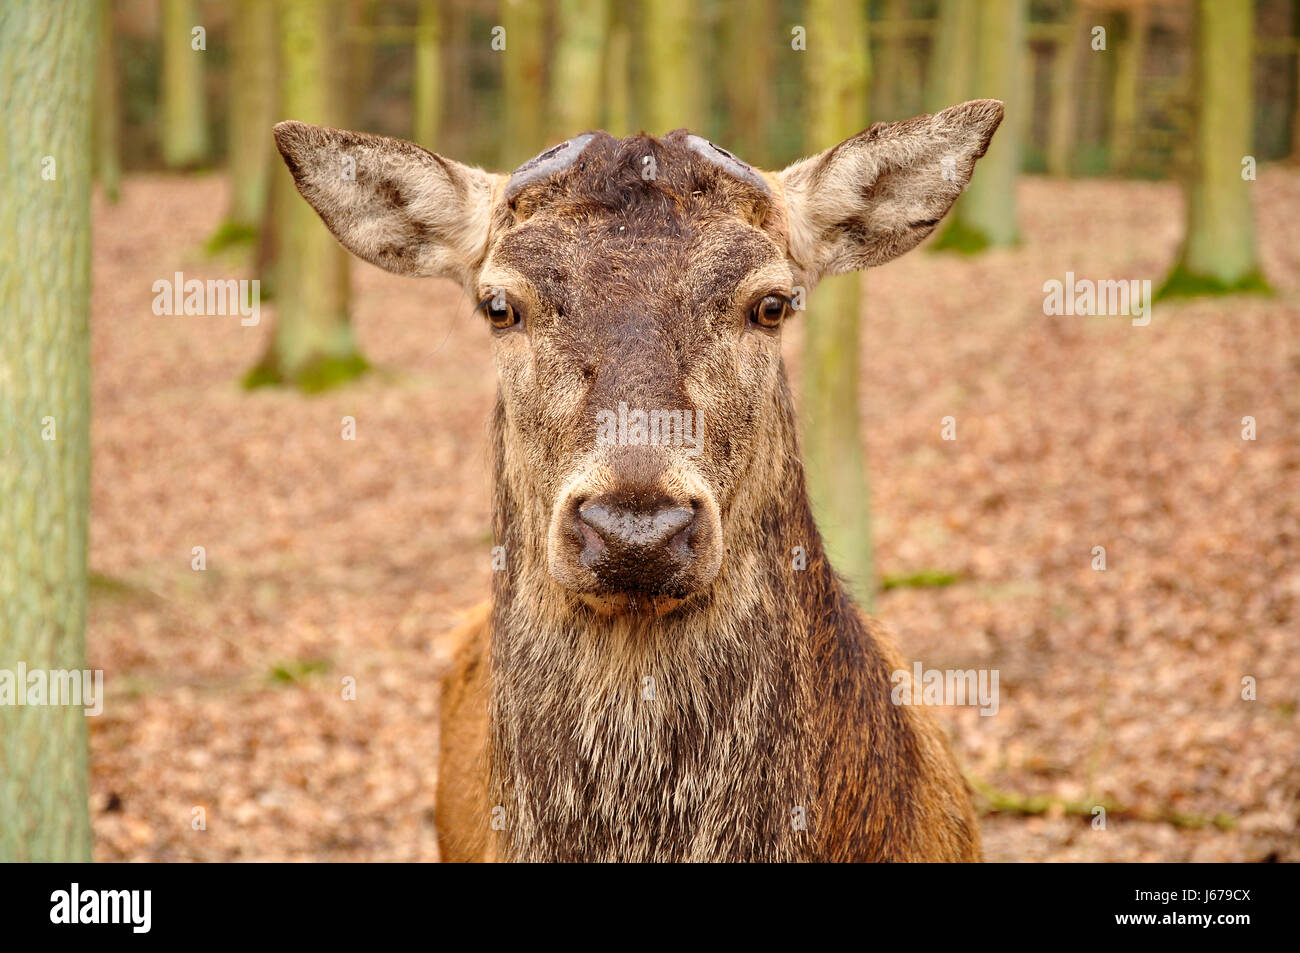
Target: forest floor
329	560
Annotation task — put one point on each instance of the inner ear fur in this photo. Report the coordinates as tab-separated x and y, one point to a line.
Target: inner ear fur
391	202
878	194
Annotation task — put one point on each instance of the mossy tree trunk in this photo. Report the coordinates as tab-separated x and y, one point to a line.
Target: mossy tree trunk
250	146
578	64
985	216
108	107
47	76
618	81
524	81
1219	253
185	142
311	345
752	41
427	96
887	88
673	69
837	71
1128	69
1063	116
951	71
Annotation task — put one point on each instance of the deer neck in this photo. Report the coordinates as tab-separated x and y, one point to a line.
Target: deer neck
661	737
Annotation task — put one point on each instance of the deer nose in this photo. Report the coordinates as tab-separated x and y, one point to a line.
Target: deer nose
635	549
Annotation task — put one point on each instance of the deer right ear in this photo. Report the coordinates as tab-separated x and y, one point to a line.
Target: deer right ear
876	195
391	202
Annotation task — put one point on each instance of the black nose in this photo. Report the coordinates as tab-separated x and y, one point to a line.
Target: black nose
632	549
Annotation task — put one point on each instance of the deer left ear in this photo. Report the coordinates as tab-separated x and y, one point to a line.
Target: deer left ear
875	196
391	202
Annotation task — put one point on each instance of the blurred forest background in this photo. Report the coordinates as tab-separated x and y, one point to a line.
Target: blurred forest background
1144	139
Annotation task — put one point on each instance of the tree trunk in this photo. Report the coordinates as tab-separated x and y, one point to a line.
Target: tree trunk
888	78
252	114
751	39
184	103
1219	251
47	76
428	75
618	82
837	69
108	108
525	72
1128	67
673	67
951	70
576	78
986	214
311	345
1063	117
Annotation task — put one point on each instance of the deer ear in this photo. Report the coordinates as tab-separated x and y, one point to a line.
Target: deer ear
875	196
390	202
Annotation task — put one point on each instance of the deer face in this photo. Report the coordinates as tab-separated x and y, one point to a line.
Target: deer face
635	291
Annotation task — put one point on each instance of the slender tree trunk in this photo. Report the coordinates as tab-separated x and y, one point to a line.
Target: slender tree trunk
889	70
1128	67
673	67
428	75
1063	117
252	114
108	108
576	76
837	70
951	70
312	344
47	75
618	82
1219	250
358	51
986	214
1295	101
184	103
751	39
525	73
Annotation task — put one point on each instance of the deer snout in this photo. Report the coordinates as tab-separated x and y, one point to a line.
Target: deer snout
629	548
612	529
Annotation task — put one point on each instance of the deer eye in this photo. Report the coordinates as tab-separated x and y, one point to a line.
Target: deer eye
501	314
770	311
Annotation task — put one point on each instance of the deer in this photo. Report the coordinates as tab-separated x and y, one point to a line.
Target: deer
654	678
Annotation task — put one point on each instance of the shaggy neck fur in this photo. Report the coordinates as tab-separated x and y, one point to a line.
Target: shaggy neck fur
700	735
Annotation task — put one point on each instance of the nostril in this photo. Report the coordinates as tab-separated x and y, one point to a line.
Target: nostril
602	525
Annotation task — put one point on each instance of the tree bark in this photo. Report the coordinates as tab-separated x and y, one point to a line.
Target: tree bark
185	142
312	345
525	74
428	75
951	71
673	67
1128	68
47	75
985	216
252	114
751	40
1063	116
577	74
1219	253
837	68
108	108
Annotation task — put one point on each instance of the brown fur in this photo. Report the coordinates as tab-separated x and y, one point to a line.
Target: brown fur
729	705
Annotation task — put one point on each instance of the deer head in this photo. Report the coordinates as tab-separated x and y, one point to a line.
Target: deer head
635	290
